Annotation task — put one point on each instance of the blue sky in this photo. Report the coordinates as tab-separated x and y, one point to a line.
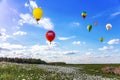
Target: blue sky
22	37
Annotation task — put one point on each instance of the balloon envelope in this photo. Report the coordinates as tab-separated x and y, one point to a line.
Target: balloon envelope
89	28
84	14
50	35
37	13
95	23
101	39
108	26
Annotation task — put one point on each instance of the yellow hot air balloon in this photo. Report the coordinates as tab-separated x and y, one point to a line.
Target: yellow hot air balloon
37	13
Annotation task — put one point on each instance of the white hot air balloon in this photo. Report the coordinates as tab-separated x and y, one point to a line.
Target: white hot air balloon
108	26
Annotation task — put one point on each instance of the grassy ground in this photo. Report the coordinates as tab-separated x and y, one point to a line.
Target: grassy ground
13	71
95	69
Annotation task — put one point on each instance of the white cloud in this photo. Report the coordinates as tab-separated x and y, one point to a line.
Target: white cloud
52	44
20	33
89	53
3	35
115	14
46	23
54	54
114	41
106	48
3	30
70	52
40	48
43	23
76	23
12	46
26	4
26	18
33	4
76	42
65	38
4	49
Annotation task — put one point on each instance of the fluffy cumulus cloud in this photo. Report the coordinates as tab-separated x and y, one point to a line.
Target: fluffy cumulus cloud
26	4
53	54
104	48
3	35
65	38
45	23
20	33
114	41
33	4
12	46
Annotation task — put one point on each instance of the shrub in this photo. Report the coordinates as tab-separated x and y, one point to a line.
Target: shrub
117	71
108	69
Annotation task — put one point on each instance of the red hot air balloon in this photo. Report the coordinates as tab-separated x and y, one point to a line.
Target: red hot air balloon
50	35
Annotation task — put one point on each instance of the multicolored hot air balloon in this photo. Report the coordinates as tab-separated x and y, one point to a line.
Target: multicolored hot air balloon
89	27
108	26
37	13
84	14
50	35
101	39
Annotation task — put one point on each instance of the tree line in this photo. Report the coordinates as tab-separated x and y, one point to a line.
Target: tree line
22	60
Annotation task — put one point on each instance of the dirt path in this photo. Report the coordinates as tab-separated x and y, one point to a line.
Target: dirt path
69	73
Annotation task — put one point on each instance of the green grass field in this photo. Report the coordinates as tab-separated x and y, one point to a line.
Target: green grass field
14	71
95	69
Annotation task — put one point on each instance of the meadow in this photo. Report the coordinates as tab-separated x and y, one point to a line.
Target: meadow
15	71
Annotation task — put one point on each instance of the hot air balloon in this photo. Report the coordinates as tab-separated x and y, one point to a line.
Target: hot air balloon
101	39
84	14
108	26
50	35
37	13
89	28
95	23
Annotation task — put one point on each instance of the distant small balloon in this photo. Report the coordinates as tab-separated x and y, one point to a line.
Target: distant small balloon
108	26
95	23
101	39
